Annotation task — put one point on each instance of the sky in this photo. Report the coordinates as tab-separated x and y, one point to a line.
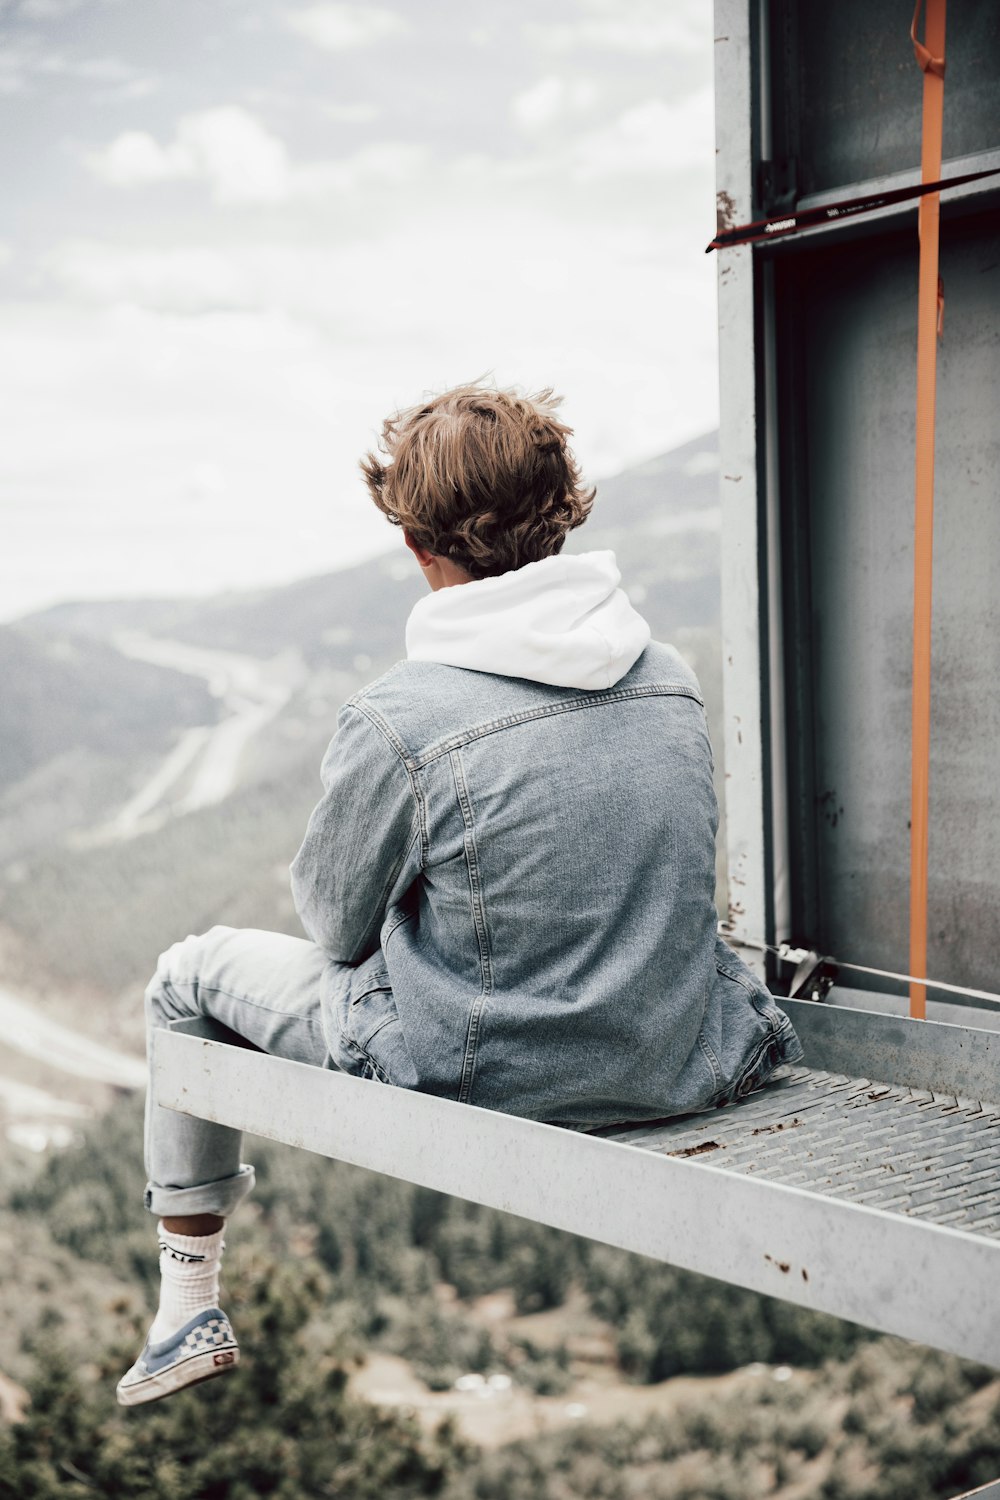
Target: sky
236	234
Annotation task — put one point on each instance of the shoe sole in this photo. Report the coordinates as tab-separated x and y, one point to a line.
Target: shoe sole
193	1371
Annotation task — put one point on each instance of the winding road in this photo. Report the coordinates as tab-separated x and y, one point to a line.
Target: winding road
206	759
24	1028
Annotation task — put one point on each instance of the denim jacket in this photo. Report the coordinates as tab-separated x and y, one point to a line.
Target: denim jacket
514	884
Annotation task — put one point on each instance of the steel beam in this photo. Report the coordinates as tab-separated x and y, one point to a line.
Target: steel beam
935	1055
741	597
981	193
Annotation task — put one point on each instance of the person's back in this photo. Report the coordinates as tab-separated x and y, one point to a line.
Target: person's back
549	947
508	885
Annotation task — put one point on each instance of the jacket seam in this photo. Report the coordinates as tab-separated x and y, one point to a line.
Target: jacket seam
750	1068
482	930
547	711
361	948
363	1047
757	1000
714	1065
736	978
364	692
378	984
397	921
410	767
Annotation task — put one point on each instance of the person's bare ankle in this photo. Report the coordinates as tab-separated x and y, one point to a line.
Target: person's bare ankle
196	1224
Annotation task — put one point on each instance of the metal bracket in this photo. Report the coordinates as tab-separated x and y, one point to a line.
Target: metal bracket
814	978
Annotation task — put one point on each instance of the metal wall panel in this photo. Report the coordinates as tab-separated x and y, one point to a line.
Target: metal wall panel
846	91
847	335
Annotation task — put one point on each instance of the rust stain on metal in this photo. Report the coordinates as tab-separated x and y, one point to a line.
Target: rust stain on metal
805	1274
780	1125
698	1150
725	212
782	1265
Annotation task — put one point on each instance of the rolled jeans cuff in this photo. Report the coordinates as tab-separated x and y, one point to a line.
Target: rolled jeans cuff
220	1197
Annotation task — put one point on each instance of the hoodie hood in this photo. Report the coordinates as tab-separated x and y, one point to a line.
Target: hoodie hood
562	621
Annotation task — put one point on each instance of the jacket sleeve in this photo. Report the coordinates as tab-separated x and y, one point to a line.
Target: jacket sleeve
362	846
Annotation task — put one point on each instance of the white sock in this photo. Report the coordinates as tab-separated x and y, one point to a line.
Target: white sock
189	1279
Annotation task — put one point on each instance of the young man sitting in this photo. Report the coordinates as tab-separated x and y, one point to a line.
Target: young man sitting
508	885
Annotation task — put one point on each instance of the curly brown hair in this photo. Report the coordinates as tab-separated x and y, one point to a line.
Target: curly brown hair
482	476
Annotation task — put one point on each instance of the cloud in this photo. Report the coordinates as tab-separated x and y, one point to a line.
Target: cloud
382	162
327	284
48	10
351	114
550	98
183	279
161	336
160	401
225	147
344	27
628	26
296	353
124	93
21	66
650	138
229	150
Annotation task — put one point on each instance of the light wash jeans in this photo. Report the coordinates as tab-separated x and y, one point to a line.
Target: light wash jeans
265	987
268	989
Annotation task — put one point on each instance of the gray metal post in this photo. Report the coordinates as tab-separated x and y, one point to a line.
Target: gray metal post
741	605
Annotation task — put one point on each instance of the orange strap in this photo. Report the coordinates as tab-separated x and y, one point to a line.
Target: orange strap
929	310
927	61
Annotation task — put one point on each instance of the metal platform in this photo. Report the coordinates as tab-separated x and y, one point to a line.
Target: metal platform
877	1201
909	1151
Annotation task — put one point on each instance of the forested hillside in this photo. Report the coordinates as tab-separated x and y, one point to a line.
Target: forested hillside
332	1263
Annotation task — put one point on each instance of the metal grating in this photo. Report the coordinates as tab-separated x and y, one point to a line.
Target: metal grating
909	1151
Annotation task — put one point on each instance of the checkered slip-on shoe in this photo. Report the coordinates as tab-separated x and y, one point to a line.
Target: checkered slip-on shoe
203	1348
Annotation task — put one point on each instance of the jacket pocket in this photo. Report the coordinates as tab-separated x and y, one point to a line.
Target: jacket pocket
372	1004
374	1031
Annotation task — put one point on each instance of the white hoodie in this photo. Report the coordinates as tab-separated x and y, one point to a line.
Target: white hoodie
562	620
